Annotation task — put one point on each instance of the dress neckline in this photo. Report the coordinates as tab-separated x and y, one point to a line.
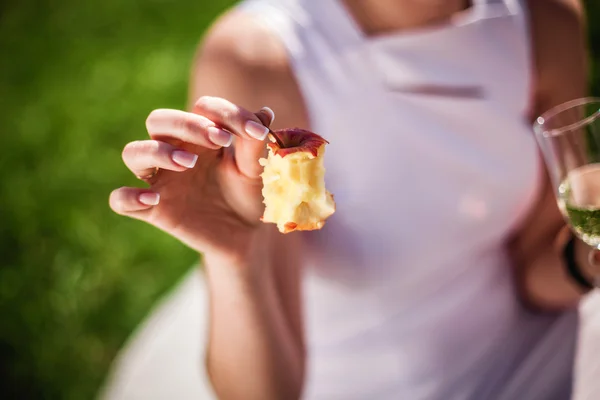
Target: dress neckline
477	11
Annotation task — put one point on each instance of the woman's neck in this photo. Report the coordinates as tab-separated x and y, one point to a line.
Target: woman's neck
386	16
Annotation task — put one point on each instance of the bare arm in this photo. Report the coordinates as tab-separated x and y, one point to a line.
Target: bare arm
561	64
255	348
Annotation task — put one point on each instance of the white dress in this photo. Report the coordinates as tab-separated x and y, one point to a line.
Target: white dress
408	288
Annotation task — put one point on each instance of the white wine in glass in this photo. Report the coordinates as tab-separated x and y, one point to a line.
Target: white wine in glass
579	201
569	138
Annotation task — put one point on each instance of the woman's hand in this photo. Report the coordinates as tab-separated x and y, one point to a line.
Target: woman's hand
205	192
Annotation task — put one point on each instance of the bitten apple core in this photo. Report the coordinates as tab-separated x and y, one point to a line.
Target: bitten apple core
294	190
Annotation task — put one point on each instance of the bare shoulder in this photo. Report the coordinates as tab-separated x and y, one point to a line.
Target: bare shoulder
242	60
560	55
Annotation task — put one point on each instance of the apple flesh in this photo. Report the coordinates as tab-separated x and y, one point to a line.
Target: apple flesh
294	190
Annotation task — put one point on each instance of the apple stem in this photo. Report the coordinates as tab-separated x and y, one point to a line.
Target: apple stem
277	139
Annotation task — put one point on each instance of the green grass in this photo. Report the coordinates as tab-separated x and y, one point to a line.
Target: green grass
77	80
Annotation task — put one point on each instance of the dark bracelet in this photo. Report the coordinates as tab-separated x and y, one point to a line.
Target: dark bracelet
572	266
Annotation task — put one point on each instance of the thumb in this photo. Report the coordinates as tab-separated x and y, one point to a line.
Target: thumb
248	151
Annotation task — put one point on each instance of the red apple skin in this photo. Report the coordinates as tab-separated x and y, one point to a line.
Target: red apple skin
295	140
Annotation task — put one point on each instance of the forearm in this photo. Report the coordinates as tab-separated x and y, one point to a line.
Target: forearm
252	353
544	283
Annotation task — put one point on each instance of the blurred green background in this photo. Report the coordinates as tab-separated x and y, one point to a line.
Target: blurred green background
77	80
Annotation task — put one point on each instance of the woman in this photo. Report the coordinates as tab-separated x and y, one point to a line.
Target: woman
441	275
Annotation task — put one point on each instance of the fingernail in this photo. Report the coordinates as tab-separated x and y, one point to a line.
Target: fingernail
149	199
220	137
267	110
256	130
184	158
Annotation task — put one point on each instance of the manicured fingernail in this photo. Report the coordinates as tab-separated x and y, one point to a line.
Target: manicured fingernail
149	199
267	110
256	130
220	137
184	158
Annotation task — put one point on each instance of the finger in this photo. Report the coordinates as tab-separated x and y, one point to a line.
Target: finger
233	118
266	116
248	152
144	156
594	258
128	200
180	126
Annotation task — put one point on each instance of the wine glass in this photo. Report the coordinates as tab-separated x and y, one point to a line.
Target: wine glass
569	138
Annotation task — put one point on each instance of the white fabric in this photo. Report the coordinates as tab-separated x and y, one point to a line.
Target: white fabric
408	293
165	358
587	368
433	165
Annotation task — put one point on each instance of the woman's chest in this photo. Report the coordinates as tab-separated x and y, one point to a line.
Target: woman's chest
413	174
